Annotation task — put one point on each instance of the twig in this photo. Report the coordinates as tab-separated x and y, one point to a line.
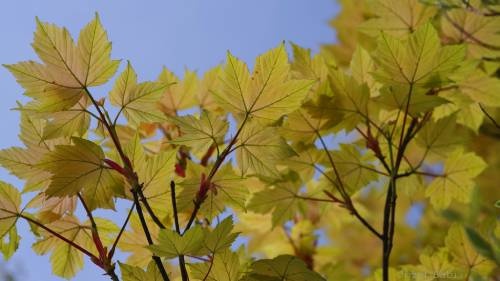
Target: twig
469	35
182	262
156	259
489	116
122	229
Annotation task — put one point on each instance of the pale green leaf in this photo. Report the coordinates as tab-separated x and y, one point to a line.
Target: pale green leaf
95	52
200	133
80	167
282	200
134	273
170	244
10	201
227	190
267	94
259	150
224	267
419	60
456	182
221	237
282	268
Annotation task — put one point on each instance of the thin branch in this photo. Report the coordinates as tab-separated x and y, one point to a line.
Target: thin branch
39	224
469	35
198	201
156	259
345	196
182	262
315	199
131	177
477	11
150	211
489	116
87	210
209	269
122	229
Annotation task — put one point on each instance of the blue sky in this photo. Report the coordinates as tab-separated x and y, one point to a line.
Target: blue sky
184	33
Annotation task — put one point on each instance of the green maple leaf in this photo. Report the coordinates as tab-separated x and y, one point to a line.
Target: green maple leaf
10	201
67	69
282	268
227	190
267	93
281	200
419	60
397	17
463	252
457	180
225	266
138	102
170	244
80	167
200	133
260	149
134	273
221	237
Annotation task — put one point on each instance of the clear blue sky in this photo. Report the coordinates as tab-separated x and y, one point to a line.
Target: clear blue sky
178	34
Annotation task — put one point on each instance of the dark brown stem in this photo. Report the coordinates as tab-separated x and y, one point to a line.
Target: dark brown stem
209	269
144	225
150	211
182	262
489	116
198	201
469	35
129	169
208	154
122	229
71	243
391	198
89	213
477	11
345	196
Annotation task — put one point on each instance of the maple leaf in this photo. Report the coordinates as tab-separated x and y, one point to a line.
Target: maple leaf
170	244
80	167
179	94
65	259
138	102
397	17
10	201
68	68
281	199
134	273
418	60
463	252
227	190
267	94
460	169
478	32
223	266
259	150
200	133
284	267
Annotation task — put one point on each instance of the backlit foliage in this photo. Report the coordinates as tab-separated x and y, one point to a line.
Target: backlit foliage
207	161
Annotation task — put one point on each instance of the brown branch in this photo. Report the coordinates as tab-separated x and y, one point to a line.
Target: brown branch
469	35
144	225
345	196
488	115
200	199
131	175
182	262
122	229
